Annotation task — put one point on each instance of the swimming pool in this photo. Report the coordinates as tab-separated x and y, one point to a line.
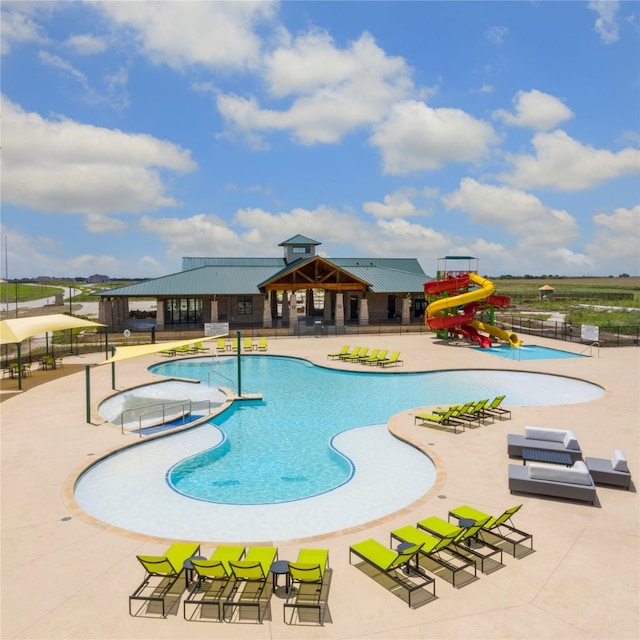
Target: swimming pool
529	352
134	490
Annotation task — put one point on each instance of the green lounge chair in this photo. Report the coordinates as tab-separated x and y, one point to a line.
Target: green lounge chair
221	344
199	347
466	539
389	563
353	357
161	573
373	354
307	581
248	344
440	550
262	344
338	354
382	355
169	353
351	354
185	349
501	527
447	419
495	407
394	358
250	579
212	578
474	413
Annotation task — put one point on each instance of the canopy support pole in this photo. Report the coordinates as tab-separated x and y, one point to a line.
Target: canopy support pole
238	340
87	378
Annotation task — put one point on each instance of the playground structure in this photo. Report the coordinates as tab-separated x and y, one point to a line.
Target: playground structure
453	303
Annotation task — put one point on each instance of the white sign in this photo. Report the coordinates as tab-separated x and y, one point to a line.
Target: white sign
590	332
216	328
127	333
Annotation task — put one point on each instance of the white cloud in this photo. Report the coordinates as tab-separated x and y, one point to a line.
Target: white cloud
335	90
606	25
86	44
398	204
617	240
563	163
536	110
17	26
416	137
68	167
181	34
496	34
96	223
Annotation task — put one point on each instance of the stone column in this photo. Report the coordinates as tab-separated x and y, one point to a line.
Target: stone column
293	312
159	315
363	312
339	310
285	306
326	309
406	310
214	311
266	313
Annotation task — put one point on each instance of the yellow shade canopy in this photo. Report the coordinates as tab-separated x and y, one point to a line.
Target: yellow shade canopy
135	351
16	330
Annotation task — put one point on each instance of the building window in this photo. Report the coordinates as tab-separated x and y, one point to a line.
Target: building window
300	250
183	311
245	306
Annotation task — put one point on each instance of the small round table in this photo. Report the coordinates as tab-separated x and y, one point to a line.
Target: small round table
403	546
188	569
278	568
466	523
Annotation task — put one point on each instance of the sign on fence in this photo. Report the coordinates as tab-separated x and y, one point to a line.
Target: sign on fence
216	328
590	332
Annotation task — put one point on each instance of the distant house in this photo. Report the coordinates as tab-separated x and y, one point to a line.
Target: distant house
268	292
97	278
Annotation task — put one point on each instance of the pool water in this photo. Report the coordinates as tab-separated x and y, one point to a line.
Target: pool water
529	352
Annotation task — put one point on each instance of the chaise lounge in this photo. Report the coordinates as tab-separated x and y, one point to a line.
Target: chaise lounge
546	439
572	483
613	471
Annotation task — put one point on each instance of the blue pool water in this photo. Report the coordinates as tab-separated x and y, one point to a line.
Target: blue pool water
280	448
529	352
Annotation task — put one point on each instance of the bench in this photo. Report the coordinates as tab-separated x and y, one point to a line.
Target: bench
561	440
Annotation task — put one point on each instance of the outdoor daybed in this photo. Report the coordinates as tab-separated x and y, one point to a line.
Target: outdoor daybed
610	471
542	438
573	483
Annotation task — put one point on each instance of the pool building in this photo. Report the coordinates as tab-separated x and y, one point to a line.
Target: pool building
268	292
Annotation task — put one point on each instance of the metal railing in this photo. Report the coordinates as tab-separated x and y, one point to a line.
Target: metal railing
165	412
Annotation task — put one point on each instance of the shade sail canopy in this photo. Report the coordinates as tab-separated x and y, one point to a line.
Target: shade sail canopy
135	351
16	330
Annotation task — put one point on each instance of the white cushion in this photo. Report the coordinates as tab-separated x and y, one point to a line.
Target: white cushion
571	442
618	461
577	474
542	433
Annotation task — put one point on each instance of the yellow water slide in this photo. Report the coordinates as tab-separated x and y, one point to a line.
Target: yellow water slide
487	288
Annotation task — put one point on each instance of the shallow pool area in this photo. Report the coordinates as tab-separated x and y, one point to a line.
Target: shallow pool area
529	352
298	463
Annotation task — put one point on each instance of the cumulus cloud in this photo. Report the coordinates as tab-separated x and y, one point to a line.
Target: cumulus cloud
334	90
535	110
87	44
617	239
59	165
606	25
398	204
415	137
562	163
17	25
96	223
181	34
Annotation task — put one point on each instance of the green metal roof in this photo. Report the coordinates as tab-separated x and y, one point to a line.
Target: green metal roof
244	276
299	240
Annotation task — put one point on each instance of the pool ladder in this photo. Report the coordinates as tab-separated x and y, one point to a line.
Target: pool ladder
589	347
165	412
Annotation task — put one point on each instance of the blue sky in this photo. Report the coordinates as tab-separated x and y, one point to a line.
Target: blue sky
136	133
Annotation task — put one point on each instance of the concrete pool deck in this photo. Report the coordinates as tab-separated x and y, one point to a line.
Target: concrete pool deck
65	576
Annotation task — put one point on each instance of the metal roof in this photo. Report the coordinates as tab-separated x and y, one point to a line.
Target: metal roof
195	263
298	239
243	276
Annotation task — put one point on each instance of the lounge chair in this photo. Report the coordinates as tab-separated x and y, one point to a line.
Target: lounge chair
161	573
389	563
447	419
382	355
355	354
338	354
212	577
613	471
221	344
169	353
200	348
365	356
307	581
436	549
250	580
185	349
394	358
466	539
247	344
262	344
495	407
501	527
475	413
